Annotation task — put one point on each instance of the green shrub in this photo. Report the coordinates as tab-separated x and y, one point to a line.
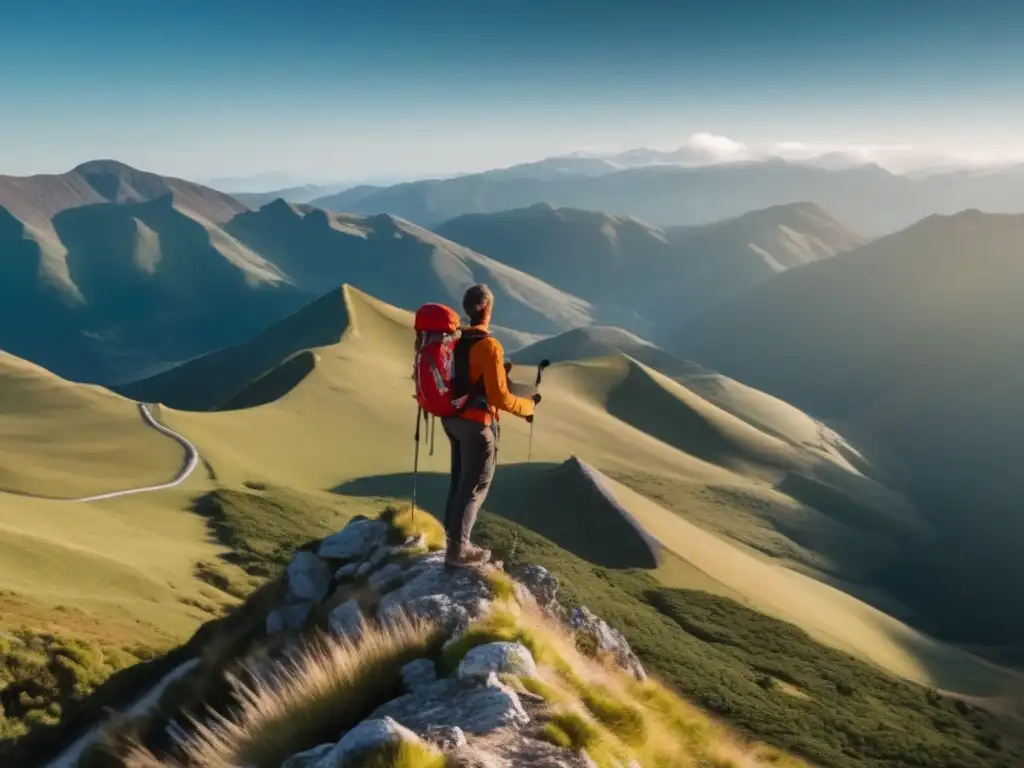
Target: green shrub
621	718
714	651
403	755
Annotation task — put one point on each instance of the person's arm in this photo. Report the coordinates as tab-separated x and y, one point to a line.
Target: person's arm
495	382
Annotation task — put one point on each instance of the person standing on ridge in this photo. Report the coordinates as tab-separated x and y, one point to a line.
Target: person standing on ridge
479	372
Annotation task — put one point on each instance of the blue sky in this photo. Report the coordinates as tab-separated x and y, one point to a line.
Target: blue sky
346	90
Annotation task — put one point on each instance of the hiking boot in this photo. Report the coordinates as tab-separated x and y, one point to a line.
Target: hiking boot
469	556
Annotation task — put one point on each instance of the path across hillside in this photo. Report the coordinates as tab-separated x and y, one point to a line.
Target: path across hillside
187	467
191	461
142	705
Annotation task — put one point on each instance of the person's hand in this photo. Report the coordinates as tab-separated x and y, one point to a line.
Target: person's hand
536	398
529	419
508	367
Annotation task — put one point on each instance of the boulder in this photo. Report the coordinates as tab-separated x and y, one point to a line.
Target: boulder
607	640
497	658
346	620
447	738
347	572
431	593
474	708
418	673
354	541
308	577
367	736
388	577
539	582
379	555
288	616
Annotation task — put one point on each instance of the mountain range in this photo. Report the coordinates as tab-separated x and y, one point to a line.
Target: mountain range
770	408
869	199
648	274
111	273
114	275
915	341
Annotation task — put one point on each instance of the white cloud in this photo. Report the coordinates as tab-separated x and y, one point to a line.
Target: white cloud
720	145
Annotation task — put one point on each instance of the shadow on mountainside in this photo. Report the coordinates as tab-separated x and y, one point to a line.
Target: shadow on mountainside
555	500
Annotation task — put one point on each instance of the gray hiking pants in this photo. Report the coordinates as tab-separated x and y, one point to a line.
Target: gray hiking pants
474	453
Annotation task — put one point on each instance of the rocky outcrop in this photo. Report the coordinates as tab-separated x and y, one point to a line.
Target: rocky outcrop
479	715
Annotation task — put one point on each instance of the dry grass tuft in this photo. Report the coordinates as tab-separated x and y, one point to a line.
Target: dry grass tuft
404	525
592	705
328	687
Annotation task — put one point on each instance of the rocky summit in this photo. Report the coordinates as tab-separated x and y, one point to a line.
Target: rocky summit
480	714
368	652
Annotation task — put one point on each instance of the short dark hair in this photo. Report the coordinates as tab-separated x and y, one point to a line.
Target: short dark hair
477	299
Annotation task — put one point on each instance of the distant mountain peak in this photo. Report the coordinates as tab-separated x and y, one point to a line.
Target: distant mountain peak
104	166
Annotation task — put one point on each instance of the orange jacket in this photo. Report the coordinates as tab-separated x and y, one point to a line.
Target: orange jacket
487	362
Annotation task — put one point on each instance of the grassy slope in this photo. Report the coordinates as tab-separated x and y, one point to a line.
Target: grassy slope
347	424
721	522
66	440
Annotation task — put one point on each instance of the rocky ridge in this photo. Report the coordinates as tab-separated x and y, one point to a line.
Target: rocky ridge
480	715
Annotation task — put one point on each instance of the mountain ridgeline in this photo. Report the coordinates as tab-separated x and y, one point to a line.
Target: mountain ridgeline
917	341
648	274
871	200
112	274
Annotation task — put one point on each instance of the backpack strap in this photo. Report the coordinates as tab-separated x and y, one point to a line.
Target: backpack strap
473	391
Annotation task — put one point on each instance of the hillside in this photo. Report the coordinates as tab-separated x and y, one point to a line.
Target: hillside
912	341
314	425
338	420
621	262
109	271
869	199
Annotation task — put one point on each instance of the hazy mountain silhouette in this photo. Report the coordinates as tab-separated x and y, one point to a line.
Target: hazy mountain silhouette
622	263
917	341
301	194
871	200
399	262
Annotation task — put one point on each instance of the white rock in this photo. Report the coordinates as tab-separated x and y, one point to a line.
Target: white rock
379	555
475	708
538	581
499	658
346	620
448	738
309	577
368	735
355	540
346	572
418	673
290	616
388	577
607	640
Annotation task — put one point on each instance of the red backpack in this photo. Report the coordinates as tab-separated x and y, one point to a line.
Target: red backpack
437	331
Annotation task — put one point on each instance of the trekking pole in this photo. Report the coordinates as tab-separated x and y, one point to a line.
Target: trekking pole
540	369
416	461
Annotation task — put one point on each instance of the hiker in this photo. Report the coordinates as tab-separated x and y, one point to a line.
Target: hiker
480	373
